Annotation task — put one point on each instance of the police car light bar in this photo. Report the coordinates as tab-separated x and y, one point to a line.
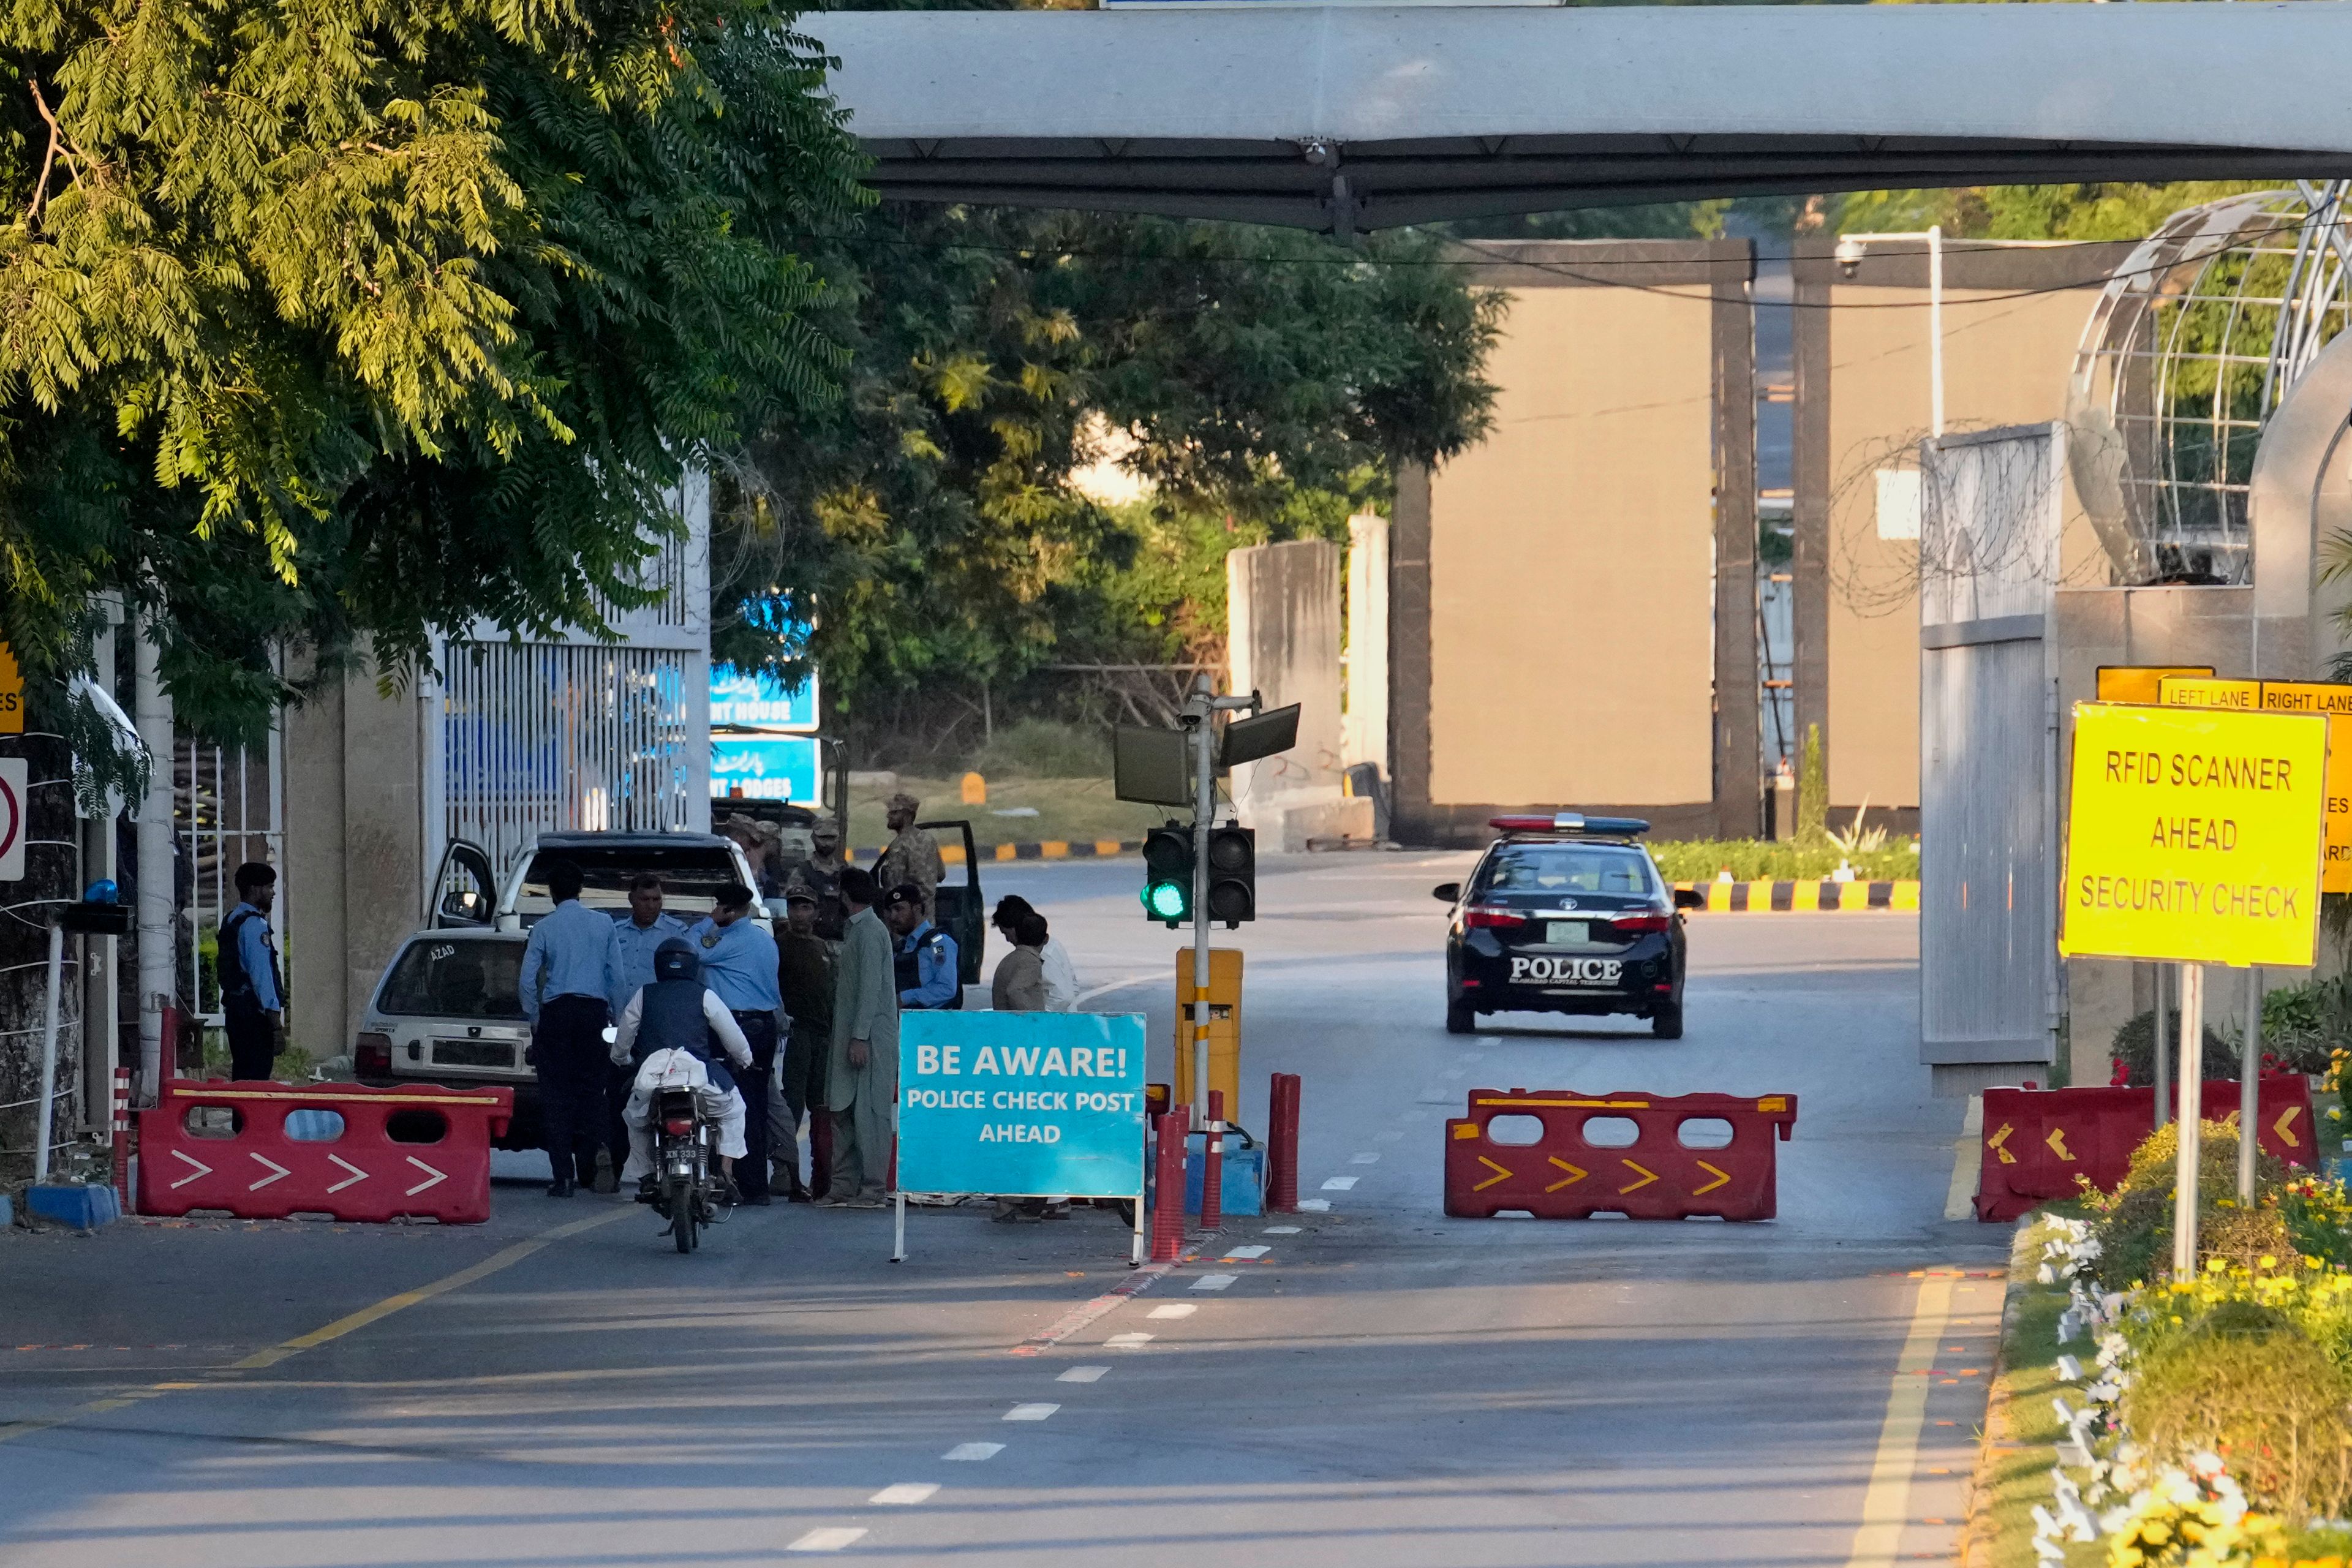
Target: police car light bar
1568	822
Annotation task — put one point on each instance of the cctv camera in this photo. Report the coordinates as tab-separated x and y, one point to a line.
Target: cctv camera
1849	254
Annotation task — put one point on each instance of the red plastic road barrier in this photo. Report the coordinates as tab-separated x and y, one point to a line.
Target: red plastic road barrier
120	1143
2038	1140
1564	1175
1282	1144
1167	1191
438	1168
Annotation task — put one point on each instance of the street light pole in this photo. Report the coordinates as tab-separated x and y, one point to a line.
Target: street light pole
1204	810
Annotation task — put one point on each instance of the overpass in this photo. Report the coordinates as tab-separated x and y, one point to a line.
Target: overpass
1347	118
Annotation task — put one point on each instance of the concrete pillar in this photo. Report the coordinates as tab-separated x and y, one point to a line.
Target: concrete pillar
1365	736
1282	640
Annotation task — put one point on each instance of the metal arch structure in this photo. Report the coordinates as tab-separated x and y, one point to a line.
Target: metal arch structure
1344	118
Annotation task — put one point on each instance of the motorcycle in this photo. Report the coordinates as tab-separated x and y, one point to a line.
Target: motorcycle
685	1185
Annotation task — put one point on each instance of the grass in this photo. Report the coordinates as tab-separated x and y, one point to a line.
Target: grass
2021	1441
1066	808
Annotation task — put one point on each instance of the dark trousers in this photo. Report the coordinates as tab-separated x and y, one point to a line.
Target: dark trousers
752	1170
803	1091
619	1084
252	1043
569	1050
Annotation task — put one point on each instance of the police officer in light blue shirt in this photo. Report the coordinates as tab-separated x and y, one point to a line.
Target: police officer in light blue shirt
571	971
640	932
253	991
924	956
738	964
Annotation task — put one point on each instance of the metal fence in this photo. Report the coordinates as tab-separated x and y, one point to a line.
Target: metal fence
228	806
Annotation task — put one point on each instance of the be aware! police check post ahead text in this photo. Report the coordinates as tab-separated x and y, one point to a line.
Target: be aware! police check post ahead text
2194	835
1021	1103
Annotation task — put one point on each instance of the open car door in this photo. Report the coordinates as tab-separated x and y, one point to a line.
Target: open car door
961	911
466	893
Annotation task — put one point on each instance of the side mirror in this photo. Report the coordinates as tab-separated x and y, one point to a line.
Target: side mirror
1689	898
1448	892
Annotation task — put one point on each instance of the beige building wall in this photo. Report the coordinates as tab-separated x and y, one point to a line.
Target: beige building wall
2006	360
1570	561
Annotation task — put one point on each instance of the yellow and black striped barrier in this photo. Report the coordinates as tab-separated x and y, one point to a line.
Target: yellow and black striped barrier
1046	849
1782	898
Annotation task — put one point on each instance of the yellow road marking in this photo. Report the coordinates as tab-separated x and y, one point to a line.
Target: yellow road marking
1648	1176
2281	1125
505	1257
1995	1141
2057	1141
1574	1174
1500	1175
1886	1500
1720	1178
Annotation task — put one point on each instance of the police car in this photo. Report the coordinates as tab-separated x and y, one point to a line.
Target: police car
1566	913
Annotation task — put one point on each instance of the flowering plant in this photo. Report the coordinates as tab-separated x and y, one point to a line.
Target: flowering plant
2194	1517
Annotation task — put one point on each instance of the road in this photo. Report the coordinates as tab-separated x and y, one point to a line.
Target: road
1382	1387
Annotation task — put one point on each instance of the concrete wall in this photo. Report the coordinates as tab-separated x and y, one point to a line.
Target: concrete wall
2013	317
1282	640
1553	588
356	851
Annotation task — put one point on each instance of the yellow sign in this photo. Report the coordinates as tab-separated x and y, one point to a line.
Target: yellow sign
2197	691
2138	682
2194	835
12	693
2335	701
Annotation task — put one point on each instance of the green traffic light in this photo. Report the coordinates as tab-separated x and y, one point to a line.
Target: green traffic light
1166	901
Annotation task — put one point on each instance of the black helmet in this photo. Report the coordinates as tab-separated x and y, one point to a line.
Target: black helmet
675	960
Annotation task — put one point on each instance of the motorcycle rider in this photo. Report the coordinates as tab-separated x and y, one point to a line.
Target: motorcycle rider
678	1012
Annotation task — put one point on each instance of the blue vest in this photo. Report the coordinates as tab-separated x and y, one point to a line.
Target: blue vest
670	1019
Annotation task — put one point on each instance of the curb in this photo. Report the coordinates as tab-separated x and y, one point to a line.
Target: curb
1823	897
1048	849
1979	1535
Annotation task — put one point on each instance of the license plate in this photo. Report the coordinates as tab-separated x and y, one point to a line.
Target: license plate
473	1054
1564	934
1544	970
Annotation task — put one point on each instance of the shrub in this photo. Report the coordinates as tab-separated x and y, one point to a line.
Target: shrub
2317	1218
2304	1024
2133	1224
2245	1384
2135	1049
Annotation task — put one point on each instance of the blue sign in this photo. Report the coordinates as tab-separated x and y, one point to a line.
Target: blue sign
765	767
757	700
1022	1104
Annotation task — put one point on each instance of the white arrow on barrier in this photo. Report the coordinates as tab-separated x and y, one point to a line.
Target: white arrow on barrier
437	1178
201	1170
354	1179
279	1173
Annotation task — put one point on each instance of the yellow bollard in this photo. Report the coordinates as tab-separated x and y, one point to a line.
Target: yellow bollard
975	790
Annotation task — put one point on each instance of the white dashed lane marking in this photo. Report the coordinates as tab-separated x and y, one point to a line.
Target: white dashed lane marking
1030	1412
1243	1254
1281	1230
1083	1374
905	1494
1173	1309
1365	1159
974	1451
1214	1281
1339	1184
832	1538
1129	1342
1318	1206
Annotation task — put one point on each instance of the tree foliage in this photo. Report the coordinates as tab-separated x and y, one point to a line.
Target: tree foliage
1262	382
333	319
2077	212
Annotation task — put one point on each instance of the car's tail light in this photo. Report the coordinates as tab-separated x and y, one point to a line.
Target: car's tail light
678	1126
1640	924
1491	920
372	1053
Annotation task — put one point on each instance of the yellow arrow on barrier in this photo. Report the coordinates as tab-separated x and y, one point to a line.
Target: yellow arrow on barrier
1998	1139
1574	1174
1500	1175
2281	1127
1720	1177
1648	1176
2057	1141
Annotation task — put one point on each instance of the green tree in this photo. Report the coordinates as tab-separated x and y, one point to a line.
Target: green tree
324	321
2078	212
1264	382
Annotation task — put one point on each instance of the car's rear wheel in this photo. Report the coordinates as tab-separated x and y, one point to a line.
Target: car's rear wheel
1460	1020
1667	1023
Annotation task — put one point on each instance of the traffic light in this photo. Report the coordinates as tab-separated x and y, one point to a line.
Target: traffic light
1168	874
1233	874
